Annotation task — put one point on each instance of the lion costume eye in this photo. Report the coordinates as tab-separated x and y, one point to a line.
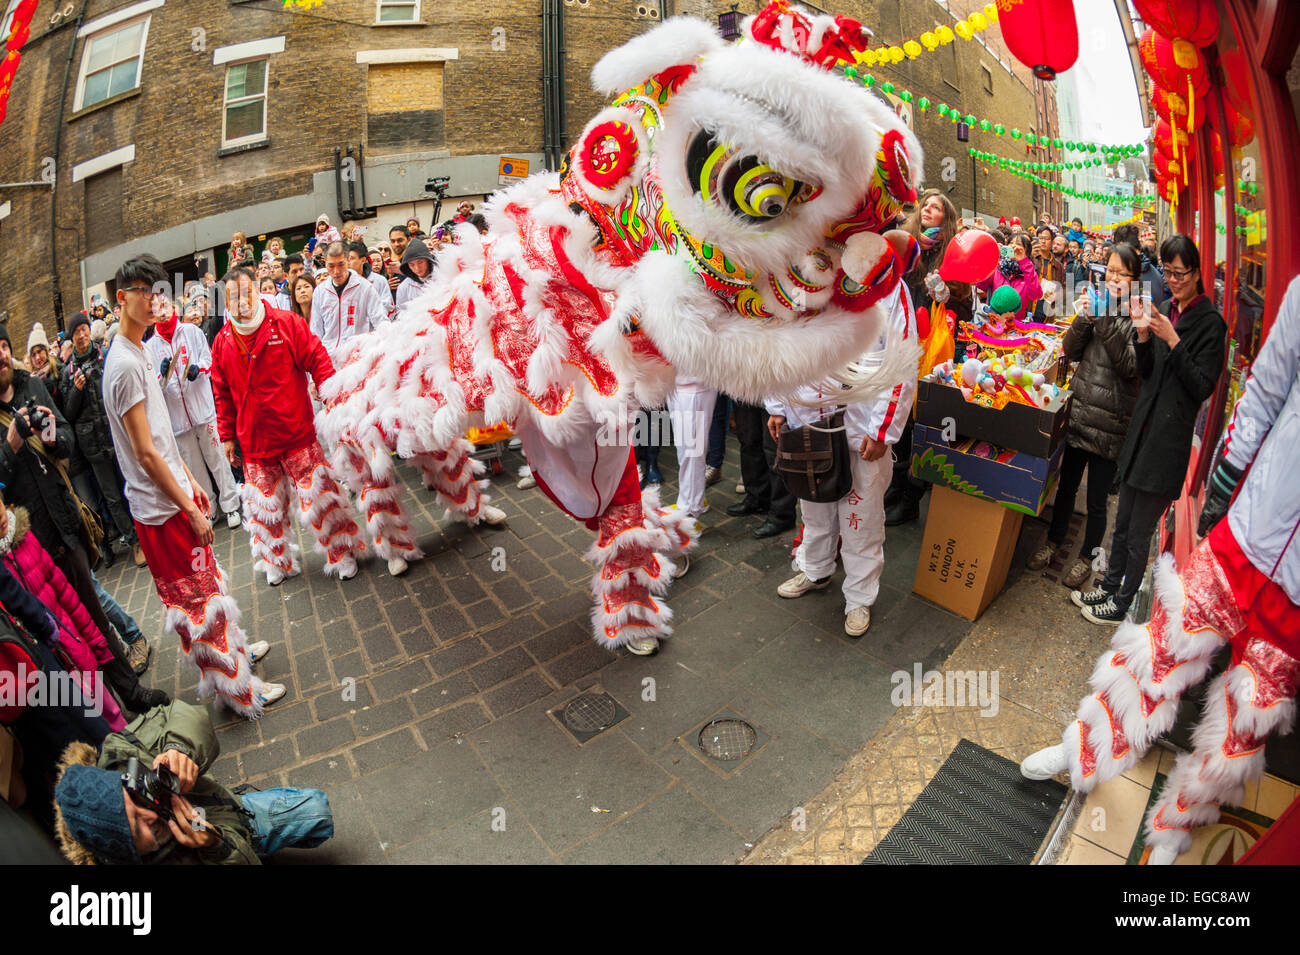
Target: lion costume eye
749	188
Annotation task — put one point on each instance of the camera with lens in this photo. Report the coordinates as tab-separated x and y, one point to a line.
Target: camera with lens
151	788
35	416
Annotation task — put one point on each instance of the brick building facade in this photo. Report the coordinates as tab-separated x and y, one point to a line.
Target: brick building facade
184	120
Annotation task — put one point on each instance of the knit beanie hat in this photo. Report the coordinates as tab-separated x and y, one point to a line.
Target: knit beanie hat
75	322
37	337
91	802
1004	299
4	334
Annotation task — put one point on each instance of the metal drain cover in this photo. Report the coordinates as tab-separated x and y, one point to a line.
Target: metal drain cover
590	713
727	739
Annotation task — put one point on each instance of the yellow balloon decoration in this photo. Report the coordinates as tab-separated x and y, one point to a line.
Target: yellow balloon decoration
963	30
944	33
896	54
929	41
979	21
991	11
912	49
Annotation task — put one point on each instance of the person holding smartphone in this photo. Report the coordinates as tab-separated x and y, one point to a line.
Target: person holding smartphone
1180	351
1105	390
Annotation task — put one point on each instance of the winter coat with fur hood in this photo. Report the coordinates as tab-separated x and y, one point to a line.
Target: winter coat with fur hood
80	643
1105	383
188	729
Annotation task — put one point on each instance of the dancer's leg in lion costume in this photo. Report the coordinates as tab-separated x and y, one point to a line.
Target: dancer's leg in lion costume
722	220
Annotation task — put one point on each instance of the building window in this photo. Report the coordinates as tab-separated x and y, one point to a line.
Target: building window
245	107
988	79
7	24
398	11
110	63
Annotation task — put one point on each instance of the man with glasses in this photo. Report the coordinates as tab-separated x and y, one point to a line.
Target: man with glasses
171	509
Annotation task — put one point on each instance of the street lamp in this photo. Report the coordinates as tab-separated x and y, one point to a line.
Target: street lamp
729	23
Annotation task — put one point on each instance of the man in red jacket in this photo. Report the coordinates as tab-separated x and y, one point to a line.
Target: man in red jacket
260	363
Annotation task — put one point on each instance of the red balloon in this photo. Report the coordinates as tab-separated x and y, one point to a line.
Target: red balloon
971	257
922	322
1196	21
1044	35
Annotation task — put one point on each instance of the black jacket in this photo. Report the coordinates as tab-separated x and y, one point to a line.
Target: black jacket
1175	383
33	482
1105	383
84	407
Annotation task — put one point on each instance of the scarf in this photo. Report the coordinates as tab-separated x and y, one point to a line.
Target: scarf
1010	268
166	328
250	327
929	237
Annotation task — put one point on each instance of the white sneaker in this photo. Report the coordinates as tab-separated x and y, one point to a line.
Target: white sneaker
1162	855
740	489
800	584
348	570
268	693
232	520
712	475
275	577
526	479
1045	763
257	650
492	515
858	621
683	565
514	444
397	566
645	647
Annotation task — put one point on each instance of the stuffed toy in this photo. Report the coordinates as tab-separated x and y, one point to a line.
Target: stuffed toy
722	220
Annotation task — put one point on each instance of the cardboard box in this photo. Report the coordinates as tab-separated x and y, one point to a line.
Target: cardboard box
966	552
1020	427
1014	479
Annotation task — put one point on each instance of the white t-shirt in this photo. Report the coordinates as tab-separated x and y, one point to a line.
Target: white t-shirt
131	377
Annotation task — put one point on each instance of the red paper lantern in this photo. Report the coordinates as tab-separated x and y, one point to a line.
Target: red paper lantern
1173	108
1171	139
1043	35
1166	167
1196	21
1236	79
1173	64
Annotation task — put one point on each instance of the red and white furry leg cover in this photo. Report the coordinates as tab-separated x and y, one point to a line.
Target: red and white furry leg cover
453	474
1139	680
324	510
682	530
631	578
202	614
379	497
266	515
1254	698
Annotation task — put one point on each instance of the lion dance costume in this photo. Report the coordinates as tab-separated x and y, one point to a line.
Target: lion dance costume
1241	586
722	219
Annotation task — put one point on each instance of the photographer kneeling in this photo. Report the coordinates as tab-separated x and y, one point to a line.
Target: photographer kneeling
145	798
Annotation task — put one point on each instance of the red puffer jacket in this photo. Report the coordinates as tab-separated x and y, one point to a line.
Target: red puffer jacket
83	647
260	388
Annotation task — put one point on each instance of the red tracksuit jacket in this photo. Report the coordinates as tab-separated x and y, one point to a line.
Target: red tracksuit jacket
262	398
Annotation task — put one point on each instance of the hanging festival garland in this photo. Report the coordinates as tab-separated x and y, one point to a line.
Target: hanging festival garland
18	35
1108	152
931	40
1012	166
1005	162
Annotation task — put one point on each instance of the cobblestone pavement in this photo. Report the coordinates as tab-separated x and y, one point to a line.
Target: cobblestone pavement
422	704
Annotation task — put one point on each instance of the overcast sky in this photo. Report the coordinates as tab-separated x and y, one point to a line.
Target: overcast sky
1109	99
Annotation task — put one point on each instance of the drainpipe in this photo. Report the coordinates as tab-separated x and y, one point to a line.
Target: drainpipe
561	126
548	120
56	296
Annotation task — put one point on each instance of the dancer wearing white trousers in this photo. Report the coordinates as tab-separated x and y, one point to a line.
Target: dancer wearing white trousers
857	521
691	408
184	364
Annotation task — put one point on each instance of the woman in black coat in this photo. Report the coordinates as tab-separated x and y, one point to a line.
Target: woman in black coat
1180	352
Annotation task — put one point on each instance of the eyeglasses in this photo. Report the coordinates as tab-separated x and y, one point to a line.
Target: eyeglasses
140	288
1177	274
1116	274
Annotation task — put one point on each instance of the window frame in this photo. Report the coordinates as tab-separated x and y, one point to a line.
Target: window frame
227	143
79	101
379	10
7	22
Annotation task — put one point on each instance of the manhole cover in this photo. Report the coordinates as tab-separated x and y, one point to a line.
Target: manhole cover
727	739
590	713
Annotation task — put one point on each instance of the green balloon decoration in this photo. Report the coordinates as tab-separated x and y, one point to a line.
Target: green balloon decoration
985	125
970	119
943	109
868	80
999	129
1015	134
850	71
905	96
923	103
887	87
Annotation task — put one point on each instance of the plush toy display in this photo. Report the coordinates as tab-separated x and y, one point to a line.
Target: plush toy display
724	219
